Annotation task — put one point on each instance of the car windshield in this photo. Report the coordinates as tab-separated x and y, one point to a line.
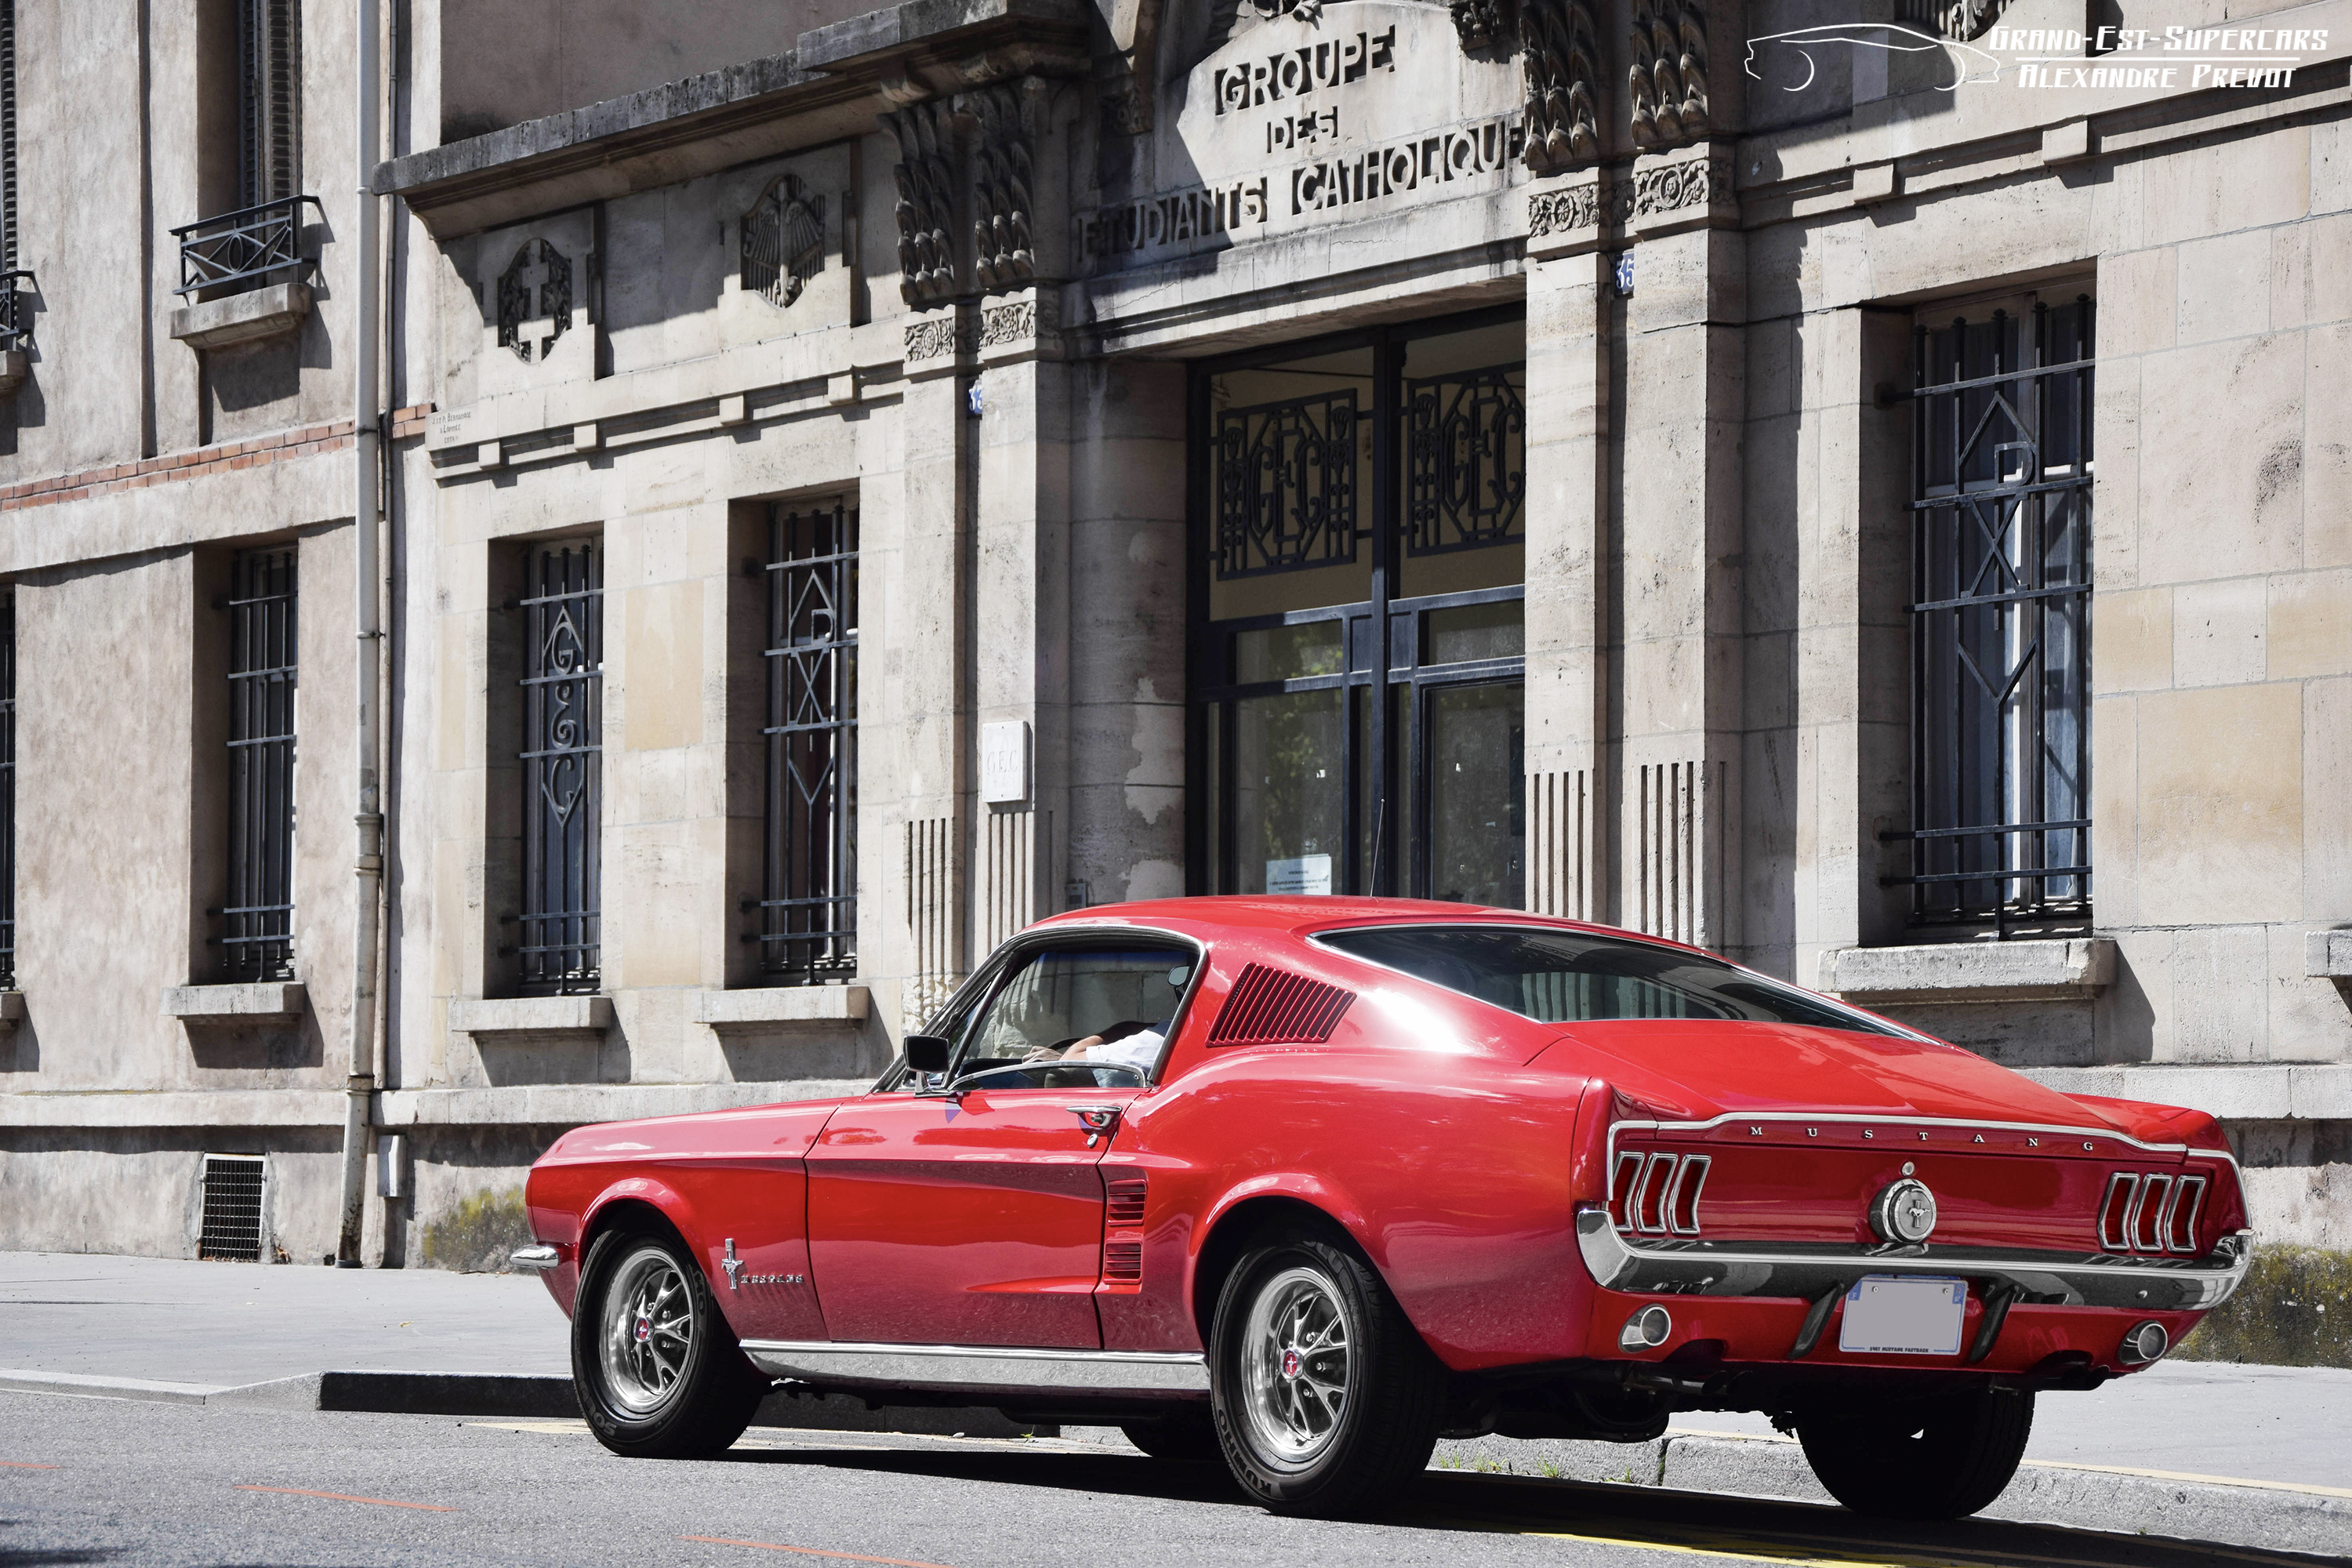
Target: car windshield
1567	977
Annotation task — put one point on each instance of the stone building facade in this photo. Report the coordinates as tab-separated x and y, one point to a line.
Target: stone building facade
857	483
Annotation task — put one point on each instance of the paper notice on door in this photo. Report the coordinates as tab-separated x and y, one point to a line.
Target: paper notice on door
1310	874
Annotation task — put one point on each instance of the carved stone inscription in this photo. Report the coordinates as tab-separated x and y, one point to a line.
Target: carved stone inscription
1301	120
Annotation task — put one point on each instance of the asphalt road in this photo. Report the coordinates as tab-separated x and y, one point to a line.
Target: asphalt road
101	1481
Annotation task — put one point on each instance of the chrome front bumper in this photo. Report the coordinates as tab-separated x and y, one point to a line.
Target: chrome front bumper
537	1260
1803	1270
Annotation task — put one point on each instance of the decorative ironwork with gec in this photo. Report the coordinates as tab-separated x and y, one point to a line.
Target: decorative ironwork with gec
2000	619
258	920
250	246
808	904
7	789
562	758
1287	485
1465	460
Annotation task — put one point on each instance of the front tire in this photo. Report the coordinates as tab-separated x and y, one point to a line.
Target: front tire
1326	1402
655	1367
1942	1459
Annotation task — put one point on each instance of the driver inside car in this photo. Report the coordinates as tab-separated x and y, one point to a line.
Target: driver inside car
1133	1044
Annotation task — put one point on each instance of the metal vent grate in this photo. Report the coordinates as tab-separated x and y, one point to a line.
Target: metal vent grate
1126	1204
1123	1260
232	1208
1269	1006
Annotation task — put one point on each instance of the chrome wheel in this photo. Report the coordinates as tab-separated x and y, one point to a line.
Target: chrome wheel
648	1329
1298	1374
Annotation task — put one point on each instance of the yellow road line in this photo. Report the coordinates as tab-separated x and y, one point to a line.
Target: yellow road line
808	1551
1787	1560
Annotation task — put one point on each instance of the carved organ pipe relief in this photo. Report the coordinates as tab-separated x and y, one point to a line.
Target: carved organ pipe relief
1668	81
926	177
1004	253
783	241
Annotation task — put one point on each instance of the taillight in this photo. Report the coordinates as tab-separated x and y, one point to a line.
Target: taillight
1657	1194
2150	1213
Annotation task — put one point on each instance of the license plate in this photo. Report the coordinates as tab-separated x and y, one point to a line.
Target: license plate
1904	1315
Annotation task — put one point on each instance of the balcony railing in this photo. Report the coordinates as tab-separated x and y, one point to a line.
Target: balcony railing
242	246
16	314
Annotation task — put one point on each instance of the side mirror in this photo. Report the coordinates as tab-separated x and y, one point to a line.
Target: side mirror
928	1053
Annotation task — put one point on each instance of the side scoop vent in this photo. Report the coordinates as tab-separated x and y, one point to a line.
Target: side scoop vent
1125	1202
1271	1006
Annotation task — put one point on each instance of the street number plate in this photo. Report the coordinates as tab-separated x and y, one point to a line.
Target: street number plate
1904	1315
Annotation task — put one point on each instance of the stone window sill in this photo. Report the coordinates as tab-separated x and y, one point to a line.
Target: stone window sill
782	1007
2074	969
258	1004
248	318
492	1018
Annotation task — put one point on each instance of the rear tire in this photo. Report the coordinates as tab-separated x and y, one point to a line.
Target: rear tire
1326	1402
1942	1458
1190	1438
656	1369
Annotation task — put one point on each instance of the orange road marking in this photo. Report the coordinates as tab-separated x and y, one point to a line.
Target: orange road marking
346	1497
808	1551
23	1465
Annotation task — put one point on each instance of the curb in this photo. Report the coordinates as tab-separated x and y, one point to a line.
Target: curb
520	1395
2218	1509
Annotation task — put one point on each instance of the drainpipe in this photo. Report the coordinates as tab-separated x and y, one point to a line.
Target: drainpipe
368	865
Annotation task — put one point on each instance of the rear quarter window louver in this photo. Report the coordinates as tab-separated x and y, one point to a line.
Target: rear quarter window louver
1271	1006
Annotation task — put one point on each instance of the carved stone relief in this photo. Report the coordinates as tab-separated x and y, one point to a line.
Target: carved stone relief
1667	82
535	288
783	241
1562	59
925	177
1004	253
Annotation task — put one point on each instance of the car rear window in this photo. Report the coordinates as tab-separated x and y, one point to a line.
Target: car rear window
1566	977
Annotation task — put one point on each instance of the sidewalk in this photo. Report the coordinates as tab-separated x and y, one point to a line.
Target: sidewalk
2260	1456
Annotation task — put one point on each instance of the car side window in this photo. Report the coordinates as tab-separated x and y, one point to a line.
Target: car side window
1111	1006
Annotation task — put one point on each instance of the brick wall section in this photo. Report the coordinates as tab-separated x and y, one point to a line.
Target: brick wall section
203	461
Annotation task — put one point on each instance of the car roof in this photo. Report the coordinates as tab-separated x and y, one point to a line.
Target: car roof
1302	915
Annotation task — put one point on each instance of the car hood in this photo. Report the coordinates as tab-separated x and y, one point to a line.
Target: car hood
1697	1069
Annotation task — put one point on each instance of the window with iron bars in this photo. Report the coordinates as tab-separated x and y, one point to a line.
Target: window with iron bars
15	324
561	756
2000	618
808	902
257	919
7	789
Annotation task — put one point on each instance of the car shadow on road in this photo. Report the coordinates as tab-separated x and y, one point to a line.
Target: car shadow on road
1598	1512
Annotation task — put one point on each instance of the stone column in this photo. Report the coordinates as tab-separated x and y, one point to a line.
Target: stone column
1677	543
1570	307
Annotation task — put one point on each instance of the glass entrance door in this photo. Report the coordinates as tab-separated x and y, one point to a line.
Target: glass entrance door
1357	577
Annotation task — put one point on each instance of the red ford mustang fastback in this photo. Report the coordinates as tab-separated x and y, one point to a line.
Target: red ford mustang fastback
1303	1183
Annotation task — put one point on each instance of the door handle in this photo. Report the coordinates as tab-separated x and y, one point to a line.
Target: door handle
1100	1120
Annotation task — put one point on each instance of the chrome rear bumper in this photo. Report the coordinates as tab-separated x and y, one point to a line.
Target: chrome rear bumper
1803	1270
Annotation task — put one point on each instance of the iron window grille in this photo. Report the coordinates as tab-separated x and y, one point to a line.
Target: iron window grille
1287	485
563	724
257	938
2000	619
808	904
1465	460
7	134
233	1199
7	789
